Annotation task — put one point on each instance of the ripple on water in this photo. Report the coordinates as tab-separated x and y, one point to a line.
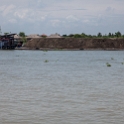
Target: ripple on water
72	88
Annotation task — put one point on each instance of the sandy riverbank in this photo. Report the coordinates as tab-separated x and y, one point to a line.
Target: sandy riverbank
73	44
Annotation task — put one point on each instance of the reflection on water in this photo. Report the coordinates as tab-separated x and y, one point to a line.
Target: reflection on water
72	87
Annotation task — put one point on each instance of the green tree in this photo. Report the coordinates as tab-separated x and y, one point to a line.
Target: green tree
83	35
99	34
109	34
105	36
71	35
89	36
22	34
77	36
118	34
64	35
112	35
23	37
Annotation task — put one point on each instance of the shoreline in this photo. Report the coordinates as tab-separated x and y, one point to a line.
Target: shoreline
56	49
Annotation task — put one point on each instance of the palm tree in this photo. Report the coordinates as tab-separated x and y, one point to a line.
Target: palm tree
109	34
99	34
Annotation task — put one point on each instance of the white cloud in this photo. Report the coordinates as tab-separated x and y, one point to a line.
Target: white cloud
21	13
2	8
72	18
12	20
86	21
55	23
72	14
7	9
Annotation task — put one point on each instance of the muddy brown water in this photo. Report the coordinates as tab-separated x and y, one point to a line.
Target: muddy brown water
61	87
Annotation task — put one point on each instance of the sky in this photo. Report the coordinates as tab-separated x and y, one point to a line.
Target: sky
62	16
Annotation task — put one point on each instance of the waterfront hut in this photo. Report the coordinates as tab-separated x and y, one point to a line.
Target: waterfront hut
43	35
17	36
7	41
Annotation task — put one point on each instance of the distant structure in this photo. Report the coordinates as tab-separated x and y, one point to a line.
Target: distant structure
33	36
43	35
16	36
7	41
54	36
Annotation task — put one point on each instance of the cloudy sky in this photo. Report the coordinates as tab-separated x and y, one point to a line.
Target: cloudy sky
62	16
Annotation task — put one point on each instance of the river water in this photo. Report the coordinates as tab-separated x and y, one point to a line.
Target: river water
61	87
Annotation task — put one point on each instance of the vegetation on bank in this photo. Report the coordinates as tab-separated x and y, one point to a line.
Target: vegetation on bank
83	35
99	35
23	37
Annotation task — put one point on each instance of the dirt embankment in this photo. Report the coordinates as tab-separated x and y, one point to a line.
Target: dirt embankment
74	43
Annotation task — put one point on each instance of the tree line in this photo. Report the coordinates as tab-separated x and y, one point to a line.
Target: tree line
99	35
83	35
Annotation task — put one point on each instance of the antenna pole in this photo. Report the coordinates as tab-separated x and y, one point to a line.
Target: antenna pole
0	31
